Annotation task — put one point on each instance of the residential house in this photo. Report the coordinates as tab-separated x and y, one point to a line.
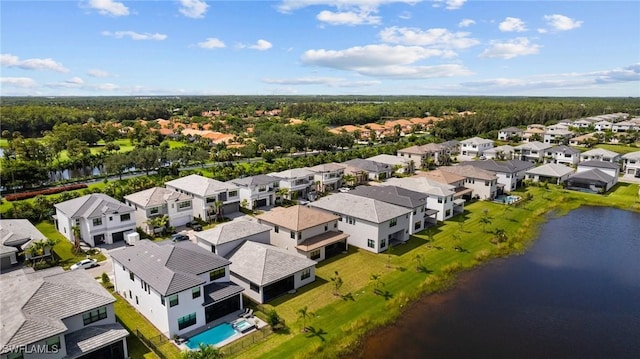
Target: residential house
399	127
298	182
625	126
584	122
558	126
328	176
420	217
452	147
602	125
557	136
354	176
631	163
504	152
402	165
178	287
483	183
425	155
510	173
533	133
210	198
563	154
509	133
156	202
371	224
600	154
226	237
440	196
55	314
307	231
594	176
531	151
474	147
376	171
257	191
454	180
549	173
98	218
266	272
582	140
17	235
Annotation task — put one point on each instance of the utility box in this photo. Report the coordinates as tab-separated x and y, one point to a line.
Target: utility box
133	238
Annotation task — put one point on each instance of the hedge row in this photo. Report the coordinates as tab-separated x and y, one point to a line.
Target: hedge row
31	194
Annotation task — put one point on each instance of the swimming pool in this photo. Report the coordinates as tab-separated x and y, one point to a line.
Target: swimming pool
212	336
507	199
243	326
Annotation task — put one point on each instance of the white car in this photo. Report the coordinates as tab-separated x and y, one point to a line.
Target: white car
85	264
343	189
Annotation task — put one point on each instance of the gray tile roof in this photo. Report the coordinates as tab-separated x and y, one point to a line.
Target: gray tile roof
264	264
93	337
169	268
600	152
368	165
390	160
503	148
327	167
632	155
551	170
511	166
534	145
232	231
217	291
563	149
259	180
92	205
200	186
511	129
37	302
423	185
470	172
369	209
392	194
156	196
427	148
599	164
293	173
16	233
591	175
475	141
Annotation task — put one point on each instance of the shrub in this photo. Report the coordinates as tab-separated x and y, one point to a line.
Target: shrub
47	191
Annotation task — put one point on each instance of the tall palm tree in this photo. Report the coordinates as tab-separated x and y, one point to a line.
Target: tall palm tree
304	313
76	238
204	352
485	221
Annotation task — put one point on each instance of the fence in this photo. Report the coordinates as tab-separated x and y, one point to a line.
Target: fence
247	341
153	343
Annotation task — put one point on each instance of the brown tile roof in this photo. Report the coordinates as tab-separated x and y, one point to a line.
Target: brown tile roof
297	218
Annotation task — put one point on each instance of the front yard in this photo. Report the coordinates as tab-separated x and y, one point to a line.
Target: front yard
63	248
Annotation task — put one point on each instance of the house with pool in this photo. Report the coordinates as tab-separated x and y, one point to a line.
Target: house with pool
178	287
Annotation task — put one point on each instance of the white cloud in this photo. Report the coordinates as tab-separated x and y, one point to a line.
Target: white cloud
405	15
512	24
626	74
384	61
261	45
97	73
211	43
348	18
432	37
109	7
22	82
135	35
288	6
510	49
449	4
303	81
466	23
105	87
8	60
193	8
561	22
74	82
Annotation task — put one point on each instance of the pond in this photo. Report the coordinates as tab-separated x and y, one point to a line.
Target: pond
574	294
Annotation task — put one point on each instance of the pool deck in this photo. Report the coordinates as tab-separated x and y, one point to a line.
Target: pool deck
231	319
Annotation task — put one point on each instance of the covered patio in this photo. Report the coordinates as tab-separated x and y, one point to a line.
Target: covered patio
324	245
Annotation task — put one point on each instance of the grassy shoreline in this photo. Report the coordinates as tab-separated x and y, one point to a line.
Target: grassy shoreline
342	322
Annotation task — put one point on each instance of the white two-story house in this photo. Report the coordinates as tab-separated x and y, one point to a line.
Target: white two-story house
562	154
178	287
474	147
208	195
298	182
509	173
55	314
631	163
483	183
600	154
328	176
531	151
257	191
423	155
97	217
508	133
371	224
157	202
440	201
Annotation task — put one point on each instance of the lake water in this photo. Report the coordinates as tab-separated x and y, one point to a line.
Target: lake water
574	294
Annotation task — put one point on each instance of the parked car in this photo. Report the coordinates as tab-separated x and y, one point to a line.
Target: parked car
85	264
343	189
195	226
178	237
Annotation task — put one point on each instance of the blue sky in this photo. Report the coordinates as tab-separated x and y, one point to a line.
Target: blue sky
368	47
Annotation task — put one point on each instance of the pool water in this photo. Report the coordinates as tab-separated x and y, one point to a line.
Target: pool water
212	336
243	325
507	199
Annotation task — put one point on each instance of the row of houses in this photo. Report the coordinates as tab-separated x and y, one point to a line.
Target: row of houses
400	127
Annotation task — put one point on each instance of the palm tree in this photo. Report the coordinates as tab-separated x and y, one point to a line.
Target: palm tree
337	283
500	235
219	208
282	193
377	281
204	352
76	238
304	313
485	221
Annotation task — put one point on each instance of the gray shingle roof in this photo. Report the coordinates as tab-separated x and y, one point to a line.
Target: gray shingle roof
591	175
511	166
369	209
368	165
37	302
169	268
599	164
392	194
93	337
155	196
232	231
264	264
17	232
200	186
259	180
92	205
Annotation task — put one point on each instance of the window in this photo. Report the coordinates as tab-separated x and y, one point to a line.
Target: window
335	224
351	220
154	210
195	293
137	300
173	300
97	221
305	274
233	193
415	210
131	276
94	315
417	225
299	235
315	254
185	204
15	355
213	248
448	213
186	321
276	229
293	235
383	243
211	199
371	243
222	196
217	274
393	222
53	344
326	227
254	287
125	217
162	300
130	295
439	200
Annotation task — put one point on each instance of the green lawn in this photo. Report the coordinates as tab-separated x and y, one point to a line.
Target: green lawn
5	205
63	248
340	322
621	149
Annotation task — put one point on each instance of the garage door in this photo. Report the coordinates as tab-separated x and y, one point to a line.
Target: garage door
117	237
261	202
